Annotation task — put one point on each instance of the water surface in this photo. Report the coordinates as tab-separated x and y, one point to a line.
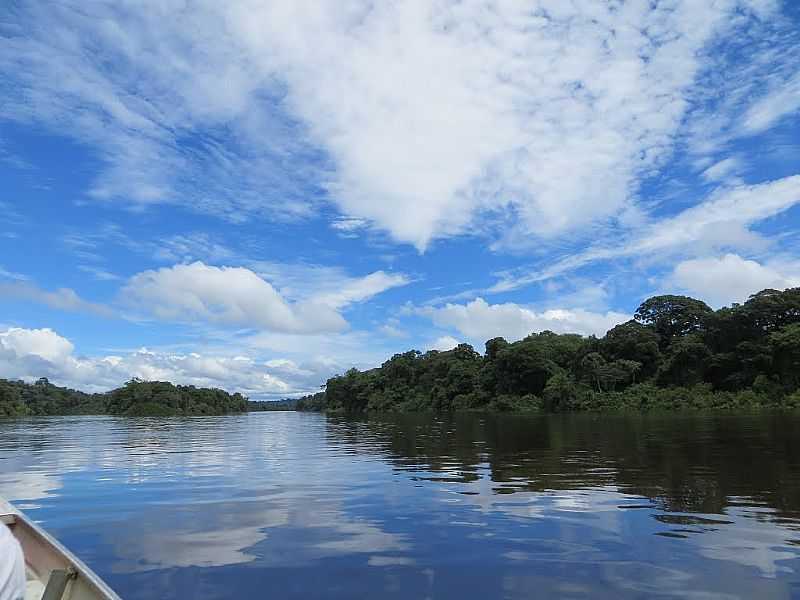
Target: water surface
288	505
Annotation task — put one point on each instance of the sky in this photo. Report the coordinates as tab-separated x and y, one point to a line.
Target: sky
257	195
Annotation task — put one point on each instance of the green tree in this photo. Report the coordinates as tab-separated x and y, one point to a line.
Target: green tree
673	316
685	362
635	342
561	393
784	345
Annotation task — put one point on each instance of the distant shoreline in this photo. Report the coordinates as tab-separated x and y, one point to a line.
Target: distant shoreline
677	354
136	398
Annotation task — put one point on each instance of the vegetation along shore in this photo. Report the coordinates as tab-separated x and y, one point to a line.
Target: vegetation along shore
676	354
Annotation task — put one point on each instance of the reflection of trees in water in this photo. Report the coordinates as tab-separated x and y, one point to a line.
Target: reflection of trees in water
684	464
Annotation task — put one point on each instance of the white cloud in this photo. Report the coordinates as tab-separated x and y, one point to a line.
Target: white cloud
431	114
503	111
32	353
167	76
42	343
722	169
722	221
443	343
239	296
227	295
730	278
778	103
739	206
323	284
479	320
361	289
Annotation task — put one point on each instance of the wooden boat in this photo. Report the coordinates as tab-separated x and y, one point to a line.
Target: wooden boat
53	572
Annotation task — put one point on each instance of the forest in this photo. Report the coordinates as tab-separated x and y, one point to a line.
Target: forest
272	405
675	354
135	398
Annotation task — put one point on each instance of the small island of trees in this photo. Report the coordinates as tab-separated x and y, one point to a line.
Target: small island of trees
676	354
135	398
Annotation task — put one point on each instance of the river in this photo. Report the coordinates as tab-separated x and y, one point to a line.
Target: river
292	505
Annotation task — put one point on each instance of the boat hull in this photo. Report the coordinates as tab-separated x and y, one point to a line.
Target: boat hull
54	573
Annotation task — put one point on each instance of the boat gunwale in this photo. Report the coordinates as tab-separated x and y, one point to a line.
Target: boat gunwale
13	517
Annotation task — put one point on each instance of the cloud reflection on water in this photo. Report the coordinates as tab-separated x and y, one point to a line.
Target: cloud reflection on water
410	503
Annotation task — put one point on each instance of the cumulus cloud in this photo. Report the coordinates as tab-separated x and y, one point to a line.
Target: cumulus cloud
445	342
228	295
42	343
238	296
418	117
32	353
479	320
730	278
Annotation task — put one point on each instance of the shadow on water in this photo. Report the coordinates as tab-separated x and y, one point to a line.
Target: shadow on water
291	505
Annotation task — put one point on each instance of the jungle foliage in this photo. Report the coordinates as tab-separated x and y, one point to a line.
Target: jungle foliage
135	398
677	353
272	405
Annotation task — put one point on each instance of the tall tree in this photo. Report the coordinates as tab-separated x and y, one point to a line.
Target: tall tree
673	316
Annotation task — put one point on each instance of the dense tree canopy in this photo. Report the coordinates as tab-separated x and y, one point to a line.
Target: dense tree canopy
135	398
676	353
673	316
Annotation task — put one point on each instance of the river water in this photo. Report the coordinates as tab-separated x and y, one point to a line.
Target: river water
291	505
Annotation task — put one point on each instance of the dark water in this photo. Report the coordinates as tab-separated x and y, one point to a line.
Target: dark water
285	505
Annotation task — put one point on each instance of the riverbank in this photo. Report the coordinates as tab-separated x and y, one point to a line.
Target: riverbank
677	353
637	398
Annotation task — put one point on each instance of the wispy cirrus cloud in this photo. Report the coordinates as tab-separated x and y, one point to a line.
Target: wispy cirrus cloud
99	273
420	118
6	274
61	299
723	220
722	169
779	102
154	109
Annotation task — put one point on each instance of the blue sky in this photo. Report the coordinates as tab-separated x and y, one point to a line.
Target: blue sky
258	195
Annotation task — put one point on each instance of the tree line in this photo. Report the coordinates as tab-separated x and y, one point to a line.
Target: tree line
676	353
285	404
135	398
